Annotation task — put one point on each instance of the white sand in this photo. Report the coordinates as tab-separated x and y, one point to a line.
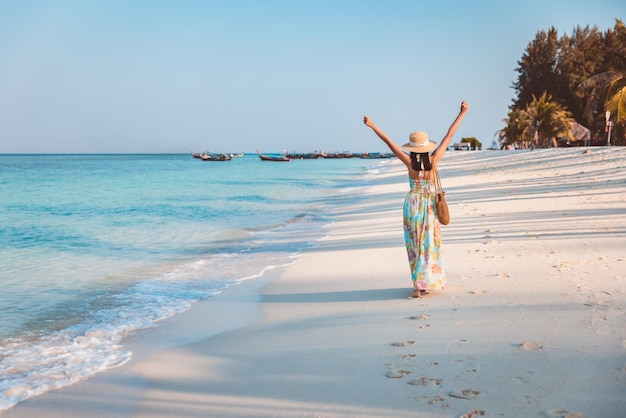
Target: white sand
532	323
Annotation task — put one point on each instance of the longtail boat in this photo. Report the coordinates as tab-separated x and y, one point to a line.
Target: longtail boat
273	157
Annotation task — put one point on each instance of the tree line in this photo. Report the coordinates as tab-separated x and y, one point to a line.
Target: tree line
569	86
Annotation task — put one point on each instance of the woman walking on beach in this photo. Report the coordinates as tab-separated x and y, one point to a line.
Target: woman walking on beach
422	231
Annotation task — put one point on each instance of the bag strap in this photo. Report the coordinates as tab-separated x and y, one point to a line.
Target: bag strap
438	187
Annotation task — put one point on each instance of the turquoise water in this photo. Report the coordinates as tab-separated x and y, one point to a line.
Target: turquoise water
94	247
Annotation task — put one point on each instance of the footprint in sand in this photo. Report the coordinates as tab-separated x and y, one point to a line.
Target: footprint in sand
479	292
518	380
531	345
472	414
436	399
397	374
420	317
468	394
562	413
403	343
425	381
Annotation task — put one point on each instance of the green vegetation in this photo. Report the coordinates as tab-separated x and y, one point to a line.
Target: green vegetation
574	78
474	143
541	122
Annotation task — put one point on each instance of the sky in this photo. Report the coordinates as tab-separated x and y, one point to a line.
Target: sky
156	76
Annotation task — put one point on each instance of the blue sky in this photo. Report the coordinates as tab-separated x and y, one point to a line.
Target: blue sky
232	76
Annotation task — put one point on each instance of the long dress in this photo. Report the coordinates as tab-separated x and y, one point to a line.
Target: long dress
422	236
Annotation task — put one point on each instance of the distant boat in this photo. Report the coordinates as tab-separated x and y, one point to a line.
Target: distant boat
372	155
216	157
212	157
273	157
345	154
306	156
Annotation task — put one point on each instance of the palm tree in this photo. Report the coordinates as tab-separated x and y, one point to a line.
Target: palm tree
607	90
611	85
551	120
542	122
616	103
518	127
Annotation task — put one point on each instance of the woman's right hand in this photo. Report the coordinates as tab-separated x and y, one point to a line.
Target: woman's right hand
367	121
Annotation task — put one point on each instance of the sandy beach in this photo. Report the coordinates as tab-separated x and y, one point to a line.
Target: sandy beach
532	323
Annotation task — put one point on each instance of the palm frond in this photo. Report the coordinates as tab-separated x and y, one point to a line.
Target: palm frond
598	85
599	81
617	104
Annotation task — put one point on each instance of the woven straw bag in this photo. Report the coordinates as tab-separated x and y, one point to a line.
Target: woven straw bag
443	214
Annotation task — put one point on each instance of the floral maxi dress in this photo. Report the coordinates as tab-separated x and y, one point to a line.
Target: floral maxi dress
422	236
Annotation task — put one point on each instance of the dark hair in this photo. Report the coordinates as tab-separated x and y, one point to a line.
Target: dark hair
421	161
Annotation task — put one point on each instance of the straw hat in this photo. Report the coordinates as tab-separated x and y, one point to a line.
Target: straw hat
419	143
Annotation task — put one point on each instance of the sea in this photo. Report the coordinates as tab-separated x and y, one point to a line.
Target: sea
96	247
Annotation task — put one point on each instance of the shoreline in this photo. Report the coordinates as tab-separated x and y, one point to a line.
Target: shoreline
531	323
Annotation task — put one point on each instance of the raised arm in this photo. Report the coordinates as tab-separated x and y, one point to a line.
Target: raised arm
445	142
395	148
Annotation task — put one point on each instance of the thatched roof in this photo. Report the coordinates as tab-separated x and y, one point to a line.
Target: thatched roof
580	132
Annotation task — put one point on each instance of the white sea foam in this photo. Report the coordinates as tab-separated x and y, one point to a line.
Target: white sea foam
33	364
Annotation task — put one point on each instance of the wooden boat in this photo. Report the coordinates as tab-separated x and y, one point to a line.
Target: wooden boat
306	156
215	157
345	154
210	156
374	155
273	157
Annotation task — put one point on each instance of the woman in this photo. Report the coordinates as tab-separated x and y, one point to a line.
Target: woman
422	231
